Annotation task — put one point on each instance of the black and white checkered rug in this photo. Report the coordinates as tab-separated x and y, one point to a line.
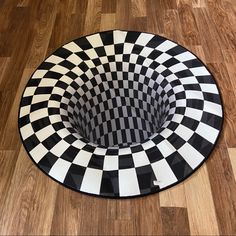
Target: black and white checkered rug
120	114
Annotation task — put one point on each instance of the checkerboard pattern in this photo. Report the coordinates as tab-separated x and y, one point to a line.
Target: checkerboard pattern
120	114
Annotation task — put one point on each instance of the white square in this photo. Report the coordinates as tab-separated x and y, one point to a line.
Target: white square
77	71
165	46
185	56
177	67
147	145
100	151
184	132
60	169
193	113
45	133
143	39
74	59
163	57
95	40
165	148
26	131
140	159
29	91
59	148
130	187
124	151
54	59
163	173
109	49
38	74
38	114
24	110
91	53
160	69
191	155
38	152
199	71
189	80
82	158
191	94
91	181
47	82
166	133
209	88
207	132
128	47
73	47
212	108
40	98
59	69
119	36
111	163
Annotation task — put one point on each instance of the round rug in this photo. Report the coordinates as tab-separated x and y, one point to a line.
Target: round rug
120	114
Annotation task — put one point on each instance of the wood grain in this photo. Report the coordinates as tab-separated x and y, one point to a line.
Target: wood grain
33	204
175	221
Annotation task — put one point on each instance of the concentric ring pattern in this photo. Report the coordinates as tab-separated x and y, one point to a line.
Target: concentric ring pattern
120	114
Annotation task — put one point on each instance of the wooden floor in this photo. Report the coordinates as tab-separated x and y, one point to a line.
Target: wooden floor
32	203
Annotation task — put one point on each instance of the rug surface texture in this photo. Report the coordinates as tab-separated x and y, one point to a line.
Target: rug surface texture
120	114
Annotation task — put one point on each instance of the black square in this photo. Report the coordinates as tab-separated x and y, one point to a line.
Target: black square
31	142
82	55
110	184
51	141
107	37
62	52
154	154
190	123
70	154
83	43
89	148
24	120
126	161
74	176
47	162
40	124
201	144
119	48
100	51
178	165
96	162
67	64
176	140
146	178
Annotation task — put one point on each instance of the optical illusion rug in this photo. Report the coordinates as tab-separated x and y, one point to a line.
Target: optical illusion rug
120	114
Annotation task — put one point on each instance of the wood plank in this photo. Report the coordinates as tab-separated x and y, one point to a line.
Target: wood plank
31	198
223	187
138	8
173	31
108	21
108	6
123	11
200	206
67	213
173	197
208	40
175	221
93	17
232	157
188	24
46	15
219	15
147	216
